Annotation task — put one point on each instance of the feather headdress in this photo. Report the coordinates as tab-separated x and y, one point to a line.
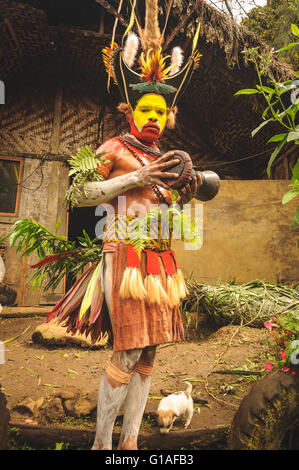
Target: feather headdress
164	75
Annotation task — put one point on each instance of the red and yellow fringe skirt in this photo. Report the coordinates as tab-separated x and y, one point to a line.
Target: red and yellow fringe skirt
146	293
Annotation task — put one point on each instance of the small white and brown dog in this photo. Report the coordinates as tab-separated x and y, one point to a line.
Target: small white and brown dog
174	406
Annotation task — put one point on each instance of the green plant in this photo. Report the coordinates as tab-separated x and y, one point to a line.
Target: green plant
271	23
148	421
294	192
58	256
61	446
284	344
183	226
277	111
83	168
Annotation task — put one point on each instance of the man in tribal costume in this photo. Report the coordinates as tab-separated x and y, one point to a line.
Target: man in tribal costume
141	293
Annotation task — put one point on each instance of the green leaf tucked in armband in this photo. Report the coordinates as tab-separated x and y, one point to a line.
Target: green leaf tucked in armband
84	168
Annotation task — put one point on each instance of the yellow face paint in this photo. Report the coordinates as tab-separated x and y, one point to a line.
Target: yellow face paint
150	110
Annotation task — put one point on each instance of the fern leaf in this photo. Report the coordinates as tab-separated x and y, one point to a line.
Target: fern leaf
83	166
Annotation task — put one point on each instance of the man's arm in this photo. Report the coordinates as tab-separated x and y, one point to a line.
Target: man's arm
105	191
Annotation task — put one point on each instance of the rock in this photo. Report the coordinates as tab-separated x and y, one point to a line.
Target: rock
53	334
29	407
7	295
53	411
92	397
84	407
4	422
70	393
76	404
69	407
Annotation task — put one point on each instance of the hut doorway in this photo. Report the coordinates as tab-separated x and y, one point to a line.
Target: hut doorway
79	219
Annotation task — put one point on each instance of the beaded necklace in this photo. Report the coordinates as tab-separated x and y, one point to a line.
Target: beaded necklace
155	188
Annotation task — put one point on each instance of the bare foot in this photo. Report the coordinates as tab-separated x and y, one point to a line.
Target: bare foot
128	444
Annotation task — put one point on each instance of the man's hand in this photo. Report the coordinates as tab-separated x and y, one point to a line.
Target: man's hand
154	174
189	191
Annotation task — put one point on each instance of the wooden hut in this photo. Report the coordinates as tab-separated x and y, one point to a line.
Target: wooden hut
56	100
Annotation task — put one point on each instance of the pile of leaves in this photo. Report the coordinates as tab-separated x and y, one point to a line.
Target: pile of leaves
252	303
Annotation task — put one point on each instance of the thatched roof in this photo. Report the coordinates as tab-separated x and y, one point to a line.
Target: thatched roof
61	40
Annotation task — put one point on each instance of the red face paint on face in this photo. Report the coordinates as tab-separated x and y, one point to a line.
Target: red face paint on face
149	133
149	118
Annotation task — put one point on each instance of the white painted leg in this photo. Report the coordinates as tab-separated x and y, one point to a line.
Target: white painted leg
110	398
109	402
133	410
136	399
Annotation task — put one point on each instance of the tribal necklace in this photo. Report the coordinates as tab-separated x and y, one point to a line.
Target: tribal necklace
155	188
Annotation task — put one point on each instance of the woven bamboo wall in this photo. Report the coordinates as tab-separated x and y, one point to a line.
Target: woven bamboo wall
79	120
26	120
214	125
51	121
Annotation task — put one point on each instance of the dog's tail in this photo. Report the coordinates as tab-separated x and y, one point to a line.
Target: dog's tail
189	387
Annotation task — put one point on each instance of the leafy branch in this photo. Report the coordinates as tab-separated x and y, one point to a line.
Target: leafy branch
58	256
171	221
276	111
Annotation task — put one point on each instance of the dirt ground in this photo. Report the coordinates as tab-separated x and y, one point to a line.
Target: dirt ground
35	370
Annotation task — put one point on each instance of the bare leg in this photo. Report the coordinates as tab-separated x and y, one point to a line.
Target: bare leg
136	399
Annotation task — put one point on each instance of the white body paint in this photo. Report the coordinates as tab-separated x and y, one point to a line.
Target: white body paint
134	406
110	398
99	192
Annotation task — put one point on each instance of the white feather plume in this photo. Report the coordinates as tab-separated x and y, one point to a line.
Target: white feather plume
177	58
131	48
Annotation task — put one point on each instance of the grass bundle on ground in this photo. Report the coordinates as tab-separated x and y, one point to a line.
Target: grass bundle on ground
254	302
